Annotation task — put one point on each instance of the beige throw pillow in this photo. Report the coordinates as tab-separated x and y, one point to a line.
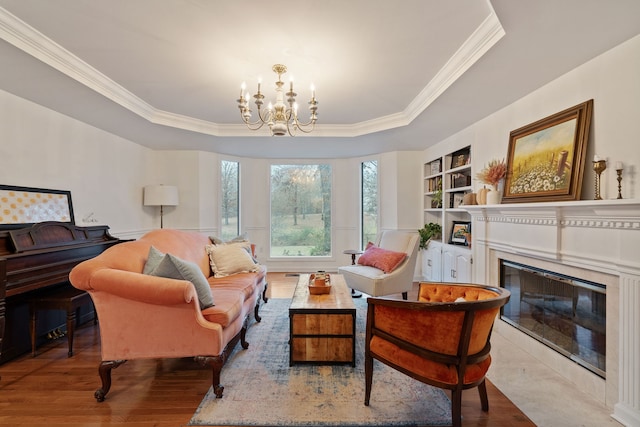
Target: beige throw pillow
228	259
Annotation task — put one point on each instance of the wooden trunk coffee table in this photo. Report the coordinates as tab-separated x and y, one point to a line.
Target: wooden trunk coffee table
322	328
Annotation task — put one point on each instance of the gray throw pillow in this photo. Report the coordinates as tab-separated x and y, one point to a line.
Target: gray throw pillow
175	268
153	259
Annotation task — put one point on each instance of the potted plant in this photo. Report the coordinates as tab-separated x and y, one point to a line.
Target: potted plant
436	196
430	231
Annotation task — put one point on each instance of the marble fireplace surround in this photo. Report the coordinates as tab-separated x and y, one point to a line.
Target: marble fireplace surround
597	240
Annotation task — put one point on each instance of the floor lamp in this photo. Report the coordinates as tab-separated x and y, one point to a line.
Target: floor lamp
160	195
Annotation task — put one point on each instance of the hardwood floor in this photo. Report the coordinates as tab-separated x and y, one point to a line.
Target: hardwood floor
53	390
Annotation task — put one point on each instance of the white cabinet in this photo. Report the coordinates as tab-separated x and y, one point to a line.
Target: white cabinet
456	264
432	262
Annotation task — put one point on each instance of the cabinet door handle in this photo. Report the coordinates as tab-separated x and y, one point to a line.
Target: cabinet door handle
429	262
453	273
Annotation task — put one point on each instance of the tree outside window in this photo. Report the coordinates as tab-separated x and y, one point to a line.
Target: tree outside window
369	200
230	199
300	210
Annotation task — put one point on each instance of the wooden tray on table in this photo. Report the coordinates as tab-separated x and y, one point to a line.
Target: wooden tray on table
318	286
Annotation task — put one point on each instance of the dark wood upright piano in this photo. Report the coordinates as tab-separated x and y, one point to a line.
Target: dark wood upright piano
34	259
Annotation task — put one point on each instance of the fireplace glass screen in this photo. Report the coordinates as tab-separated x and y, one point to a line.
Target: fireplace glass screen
565	313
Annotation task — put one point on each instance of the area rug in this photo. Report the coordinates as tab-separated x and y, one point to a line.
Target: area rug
261	389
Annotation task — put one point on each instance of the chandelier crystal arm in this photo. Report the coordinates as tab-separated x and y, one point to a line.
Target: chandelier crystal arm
278	117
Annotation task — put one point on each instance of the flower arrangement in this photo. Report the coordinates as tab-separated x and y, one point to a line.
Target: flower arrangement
495	171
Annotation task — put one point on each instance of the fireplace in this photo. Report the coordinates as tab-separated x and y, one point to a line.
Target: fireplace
588	242
565	313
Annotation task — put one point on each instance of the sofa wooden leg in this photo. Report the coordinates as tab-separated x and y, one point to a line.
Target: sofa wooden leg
215	363
264	292
243	334
256	309
105	375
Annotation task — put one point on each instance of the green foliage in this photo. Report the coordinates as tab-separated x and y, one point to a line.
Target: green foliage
430	231
436	198
301	210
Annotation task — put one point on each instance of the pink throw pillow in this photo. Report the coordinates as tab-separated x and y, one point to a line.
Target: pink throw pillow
381	259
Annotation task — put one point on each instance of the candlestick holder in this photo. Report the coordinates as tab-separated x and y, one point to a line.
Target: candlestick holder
619	172
599	166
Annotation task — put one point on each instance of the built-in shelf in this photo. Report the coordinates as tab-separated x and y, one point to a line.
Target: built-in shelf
452	175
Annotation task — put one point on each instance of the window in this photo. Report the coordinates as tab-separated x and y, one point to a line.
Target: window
230	199
300	210
369	201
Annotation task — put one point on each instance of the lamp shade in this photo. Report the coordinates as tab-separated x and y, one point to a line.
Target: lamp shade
160	195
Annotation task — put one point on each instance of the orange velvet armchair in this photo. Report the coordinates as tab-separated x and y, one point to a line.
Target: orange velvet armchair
442	339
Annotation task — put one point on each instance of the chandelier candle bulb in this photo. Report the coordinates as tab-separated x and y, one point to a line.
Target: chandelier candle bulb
619	166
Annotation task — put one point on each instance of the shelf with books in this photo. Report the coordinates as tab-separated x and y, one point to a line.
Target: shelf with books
447	179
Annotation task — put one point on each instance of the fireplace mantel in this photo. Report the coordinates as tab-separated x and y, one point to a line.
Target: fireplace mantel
594	236
616	213
601	235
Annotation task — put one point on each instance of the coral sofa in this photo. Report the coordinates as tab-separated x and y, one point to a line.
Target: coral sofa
143	316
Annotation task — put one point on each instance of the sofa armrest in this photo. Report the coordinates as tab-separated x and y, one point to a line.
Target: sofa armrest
141	287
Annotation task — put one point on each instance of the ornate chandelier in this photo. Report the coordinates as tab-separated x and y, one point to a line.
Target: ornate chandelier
280	118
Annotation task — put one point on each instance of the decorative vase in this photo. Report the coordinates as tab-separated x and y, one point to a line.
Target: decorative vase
481	197
494	196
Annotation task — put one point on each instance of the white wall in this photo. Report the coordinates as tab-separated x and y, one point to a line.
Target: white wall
105	174
612	81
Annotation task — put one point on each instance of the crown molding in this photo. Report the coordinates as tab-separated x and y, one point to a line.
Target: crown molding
479	43
26	38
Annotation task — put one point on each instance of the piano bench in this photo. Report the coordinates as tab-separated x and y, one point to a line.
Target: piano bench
66	298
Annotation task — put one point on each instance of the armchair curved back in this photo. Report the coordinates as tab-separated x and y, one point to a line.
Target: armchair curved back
443	339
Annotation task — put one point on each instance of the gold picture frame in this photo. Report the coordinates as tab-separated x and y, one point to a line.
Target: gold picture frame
546	159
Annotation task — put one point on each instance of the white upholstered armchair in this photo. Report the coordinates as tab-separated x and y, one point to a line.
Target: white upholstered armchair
376	282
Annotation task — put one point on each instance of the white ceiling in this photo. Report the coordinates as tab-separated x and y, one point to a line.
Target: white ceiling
389	75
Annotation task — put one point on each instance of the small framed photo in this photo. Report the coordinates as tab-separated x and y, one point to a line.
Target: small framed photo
456	200
460	158
460	233
435	167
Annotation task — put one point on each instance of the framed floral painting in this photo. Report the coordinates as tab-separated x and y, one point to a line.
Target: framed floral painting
546	159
